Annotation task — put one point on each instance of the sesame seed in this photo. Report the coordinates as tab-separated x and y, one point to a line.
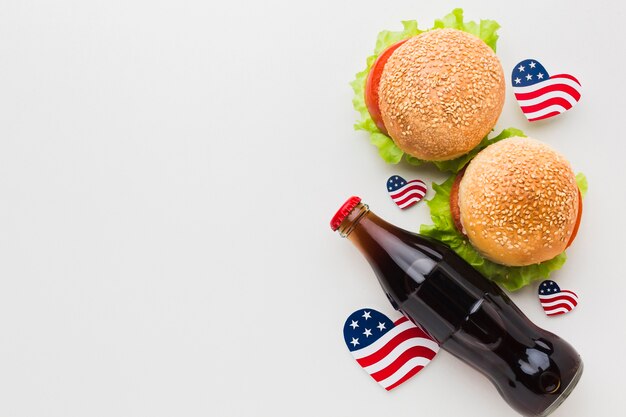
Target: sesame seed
536	202
449	86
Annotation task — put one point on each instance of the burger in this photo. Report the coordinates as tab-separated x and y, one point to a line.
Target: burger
435	95
517	204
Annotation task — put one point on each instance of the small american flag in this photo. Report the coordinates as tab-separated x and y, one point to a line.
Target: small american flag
554	300
390	352
404	193
540	95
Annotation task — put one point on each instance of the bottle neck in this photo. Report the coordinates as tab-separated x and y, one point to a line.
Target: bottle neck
351	221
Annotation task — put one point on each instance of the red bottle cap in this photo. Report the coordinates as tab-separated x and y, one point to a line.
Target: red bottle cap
343	212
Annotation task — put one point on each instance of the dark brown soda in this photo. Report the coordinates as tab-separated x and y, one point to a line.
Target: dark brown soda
469	316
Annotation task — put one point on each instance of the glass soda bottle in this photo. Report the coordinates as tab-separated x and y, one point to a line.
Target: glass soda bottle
467	314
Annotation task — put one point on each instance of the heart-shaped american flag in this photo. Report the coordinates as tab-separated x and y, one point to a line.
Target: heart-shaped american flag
541	95
391	352
405	193
554	300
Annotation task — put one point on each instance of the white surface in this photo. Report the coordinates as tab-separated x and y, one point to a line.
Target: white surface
167	173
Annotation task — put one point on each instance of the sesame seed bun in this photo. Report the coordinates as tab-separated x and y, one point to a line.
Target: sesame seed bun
440	93
518	202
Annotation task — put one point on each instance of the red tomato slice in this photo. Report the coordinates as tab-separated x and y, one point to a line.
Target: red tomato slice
373	82
580	214
455	209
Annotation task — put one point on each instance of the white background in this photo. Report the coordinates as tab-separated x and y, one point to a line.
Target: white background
167	173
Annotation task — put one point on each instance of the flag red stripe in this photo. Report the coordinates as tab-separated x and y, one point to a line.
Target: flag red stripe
408	197
571	298
559	101
413	352
560	303
557	313
404	378
554	87
391	345
404	318
569	77
557	306
545	116
413	187
566	292
400	320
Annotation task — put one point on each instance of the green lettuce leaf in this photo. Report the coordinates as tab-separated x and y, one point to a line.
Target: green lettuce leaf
581	180
486	30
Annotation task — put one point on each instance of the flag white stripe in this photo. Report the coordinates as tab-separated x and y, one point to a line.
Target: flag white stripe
410	201
400	197
557	311
551	81
374	347
558	294
545	300
404	369
557	302
547	96
543	112
399	350
401	190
